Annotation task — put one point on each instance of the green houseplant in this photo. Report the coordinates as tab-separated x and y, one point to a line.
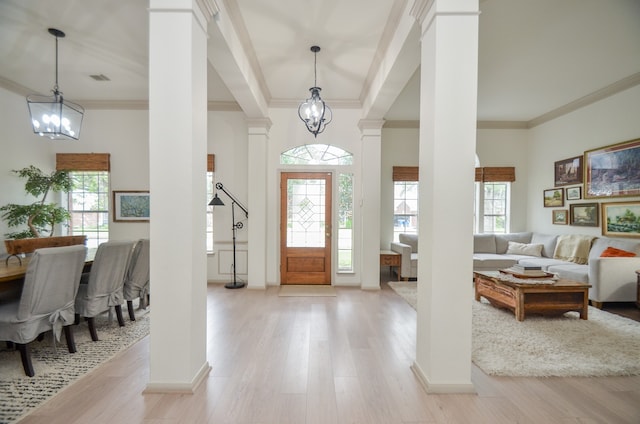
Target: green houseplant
39	217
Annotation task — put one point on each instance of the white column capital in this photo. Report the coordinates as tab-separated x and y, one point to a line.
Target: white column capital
371	127
259	126
425	11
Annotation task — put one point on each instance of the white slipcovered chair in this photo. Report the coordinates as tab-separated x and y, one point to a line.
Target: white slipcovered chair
102	288
136	283
47	300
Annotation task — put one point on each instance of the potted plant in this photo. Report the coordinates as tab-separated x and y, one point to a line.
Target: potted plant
39	217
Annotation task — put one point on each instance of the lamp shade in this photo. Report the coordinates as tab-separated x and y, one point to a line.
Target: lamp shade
216	201
53	117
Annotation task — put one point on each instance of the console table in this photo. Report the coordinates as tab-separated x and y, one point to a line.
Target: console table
391	259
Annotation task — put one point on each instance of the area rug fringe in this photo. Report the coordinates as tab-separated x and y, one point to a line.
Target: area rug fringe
565	346
56	368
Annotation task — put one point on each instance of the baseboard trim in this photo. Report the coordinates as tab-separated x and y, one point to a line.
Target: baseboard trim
181	388
445	388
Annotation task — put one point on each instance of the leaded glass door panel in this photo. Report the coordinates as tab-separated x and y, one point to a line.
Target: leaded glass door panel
305	228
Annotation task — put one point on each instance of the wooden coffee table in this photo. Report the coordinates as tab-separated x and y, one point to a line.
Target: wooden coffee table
524	298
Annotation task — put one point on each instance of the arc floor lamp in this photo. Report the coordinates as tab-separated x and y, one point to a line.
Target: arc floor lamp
216	201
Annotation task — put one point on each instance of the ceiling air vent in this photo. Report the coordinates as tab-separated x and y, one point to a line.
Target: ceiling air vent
100	77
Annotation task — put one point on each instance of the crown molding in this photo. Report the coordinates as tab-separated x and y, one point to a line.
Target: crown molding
603	93
502	125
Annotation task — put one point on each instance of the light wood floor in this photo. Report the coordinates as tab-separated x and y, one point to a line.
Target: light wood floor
325	360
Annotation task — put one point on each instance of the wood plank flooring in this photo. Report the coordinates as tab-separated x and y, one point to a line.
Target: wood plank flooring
325	360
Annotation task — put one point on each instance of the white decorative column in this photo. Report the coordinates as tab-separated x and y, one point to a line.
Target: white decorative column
448	103
257	204
371	133
177	154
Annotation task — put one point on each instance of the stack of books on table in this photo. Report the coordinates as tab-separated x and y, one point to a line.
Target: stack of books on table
525	271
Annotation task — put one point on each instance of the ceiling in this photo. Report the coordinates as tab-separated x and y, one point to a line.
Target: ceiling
536	58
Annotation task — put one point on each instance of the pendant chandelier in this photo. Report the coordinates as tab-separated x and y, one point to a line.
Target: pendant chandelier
314	112
52	116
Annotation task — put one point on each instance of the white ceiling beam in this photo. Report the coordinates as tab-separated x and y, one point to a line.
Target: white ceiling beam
391	72
230	54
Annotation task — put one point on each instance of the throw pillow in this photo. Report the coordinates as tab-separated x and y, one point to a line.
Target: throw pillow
516	248
612	252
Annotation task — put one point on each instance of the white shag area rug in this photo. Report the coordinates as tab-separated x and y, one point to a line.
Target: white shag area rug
564	346
55	368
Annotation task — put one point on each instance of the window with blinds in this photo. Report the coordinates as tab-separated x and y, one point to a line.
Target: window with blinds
88	200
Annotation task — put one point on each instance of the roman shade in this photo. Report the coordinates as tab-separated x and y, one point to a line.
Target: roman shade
492	174
405	173
83	162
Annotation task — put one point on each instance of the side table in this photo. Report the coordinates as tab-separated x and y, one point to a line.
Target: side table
638	289
391	259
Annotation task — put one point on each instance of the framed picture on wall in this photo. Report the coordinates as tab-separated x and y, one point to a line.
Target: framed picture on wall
553	197
568	171
613	171
621	219
584	214
574	193
131	206
560	216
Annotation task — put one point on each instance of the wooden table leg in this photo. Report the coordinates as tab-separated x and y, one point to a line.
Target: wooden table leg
584	312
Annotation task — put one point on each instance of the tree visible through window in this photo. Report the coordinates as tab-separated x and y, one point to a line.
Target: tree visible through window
405	208
89	206
326	154
492	211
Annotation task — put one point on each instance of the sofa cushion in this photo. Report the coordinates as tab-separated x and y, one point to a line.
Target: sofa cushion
612	252
491	261
571	271
548	241
515	248
601	243
411	240
502	240
484	243
544	263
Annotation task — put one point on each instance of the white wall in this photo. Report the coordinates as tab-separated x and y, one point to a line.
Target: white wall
399	148
508	148
609	121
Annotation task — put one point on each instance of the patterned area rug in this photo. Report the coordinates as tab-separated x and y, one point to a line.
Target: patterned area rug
564	346
56	368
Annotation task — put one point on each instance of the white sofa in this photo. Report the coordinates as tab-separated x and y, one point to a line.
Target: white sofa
612	279
407	246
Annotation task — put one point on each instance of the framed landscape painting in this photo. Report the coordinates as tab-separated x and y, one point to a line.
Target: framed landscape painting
560	216
621	219
568	171
613	171
553	197
574	193
131	206
584	214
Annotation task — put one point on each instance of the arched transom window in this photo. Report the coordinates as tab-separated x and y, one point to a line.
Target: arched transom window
316	154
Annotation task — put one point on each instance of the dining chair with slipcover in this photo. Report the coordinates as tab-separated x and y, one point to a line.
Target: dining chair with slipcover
47	301
136	283
102	288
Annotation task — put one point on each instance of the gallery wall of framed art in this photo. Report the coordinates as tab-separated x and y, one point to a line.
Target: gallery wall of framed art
602	176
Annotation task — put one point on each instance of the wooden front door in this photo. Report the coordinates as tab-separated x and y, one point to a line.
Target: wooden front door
305	228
